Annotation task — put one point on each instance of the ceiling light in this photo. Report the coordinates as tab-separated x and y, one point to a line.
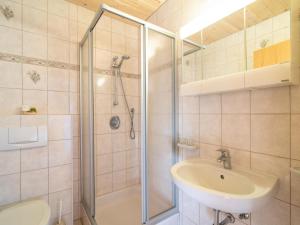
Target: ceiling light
211	12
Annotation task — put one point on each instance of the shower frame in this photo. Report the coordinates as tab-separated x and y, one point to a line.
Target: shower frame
145	27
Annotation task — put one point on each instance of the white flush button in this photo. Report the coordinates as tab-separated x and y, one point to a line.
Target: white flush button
22	135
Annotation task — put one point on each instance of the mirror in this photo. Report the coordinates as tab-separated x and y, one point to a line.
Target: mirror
253	37
268	33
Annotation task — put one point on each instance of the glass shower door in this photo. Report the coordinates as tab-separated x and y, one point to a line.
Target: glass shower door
87	126
160	126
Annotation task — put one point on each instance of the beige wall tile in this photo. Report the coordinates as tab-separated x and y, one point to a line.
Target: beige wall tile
34	159
76	169
33	120
74	81
9	188
103	59
190	127
104	164
58	7
272	100
54	202
279	167
58	27
34	45
60	152
60	178
236	131
209	152
38	4
270	134
11	75
10	121
9	162
58	102
190	105
295	215
295	185
295	133
103	144
210	128
74	103
58	50
133	176
37	99
119	161
59	127
266	216
34	183
295	99
236	102
119	180
210	104
240	158
104	184
11	101
103	39
34	20
10	41
103	84
28	83
103	104
15	21
58	79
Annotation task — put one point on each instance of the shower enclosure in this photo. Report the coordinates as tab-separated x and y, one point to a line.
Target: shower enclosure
128	109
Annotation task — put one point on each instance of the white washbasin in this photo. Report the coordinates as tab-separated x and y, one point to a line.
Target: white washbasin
235	191
35	212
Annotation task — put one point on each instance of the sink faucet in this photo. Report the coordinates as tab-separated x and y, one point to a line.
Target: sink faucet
225	158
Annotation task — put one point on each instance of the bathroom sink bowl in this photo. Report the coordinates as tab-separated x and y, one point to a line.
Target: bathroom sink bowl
35	212
235	191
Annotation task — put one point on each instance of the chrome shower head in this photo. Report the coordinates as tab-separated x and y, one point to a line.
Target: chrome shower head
115	64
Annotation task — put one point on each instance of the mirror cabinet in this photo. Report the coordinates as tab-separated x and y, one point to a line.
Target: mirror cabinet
257	46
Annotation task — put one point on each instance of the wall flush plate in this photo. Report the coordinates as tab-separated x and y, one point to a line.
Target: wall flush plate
23	137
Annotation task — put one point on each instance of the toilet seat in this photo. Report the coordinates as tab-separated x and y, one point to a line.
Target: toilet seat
35	212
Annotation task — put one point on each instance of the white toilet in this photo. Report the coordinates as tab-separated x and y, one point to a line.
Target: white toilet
35	212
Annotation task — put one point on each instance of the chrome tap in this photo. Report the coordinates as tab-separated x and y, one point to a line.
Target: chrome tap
225	158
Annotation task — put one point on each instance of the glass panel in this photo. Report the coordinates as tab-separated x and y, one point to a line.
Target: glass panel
87	176
117	99
268	33
160	136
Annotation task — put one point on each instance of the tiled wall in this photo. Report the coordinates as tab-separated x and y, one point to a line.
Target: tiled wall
227	55
261	129
117	156
43	37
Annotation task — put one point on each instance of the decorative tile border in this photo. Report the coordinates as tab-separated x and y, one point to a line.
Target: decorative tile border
47	63
35	61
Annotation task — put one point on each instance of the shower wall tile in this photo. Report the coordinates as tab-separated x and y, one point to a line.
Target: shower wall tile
58	79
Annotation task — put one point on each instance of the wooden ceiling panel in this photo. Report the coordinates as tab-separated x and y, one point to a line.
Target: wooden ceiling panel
139	8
